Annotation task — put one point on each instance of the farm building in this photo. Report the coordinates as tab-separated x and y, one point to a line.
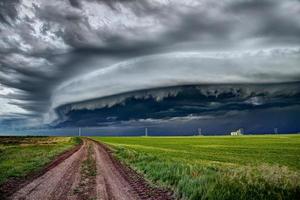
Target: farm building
238	132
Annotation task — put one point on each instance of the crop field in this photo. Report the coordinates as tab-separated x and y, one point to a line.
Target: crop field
21	155
217	167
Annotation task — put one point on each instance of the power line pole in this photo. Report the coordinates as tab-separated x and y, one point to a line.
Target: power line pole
146	131
199	131
242	131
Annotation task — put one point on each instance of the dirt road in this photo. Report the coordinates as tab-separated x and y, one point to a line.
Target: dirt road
90	173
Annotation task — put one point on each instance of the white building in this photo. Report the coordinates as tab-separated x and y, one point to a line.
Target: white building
238	132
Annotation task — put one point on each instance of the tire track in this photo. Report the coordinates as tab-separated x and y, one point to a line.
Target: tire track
121	182
55	183
92	172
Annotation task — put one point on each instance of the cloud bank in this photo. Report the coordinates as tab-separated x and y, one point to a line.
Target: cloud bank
58	53
216	107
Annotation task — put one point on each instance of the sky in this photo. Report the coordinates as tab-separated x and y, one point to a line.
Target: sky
219	65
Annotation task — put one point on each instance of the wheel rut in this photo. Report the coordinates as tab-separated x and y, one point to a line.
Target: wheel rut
92	172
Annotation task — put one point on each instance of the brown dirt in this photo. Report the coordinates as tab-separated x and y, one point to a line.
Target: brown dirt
92	172
122	182
14	184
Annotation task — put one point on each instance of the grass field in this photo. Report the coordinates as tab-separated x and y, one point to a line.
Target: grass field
21	155
219	167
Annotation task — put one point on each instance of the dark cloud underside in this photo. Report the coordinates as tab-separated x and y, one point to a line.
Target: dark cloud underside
54	54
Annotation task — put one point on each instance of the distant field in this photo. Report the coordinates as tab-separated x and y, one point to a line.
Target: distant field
219	167
21	155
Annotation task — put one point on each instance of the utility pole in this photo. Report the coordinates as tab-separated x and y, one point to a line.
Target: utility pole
242	131
199	131
146	131
79	132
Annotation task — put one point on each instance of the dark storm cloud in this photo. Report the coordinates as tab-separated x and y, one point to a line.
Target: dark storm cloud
251	6
179	104
274	20
75	3
8	10
46	45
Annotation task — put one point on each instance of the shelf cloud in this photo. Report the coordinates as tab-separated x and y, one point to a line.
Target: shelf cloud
55	56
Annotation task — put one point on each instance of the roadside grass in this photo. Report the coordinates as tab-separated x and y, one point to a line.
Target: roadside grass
89	165
219	167
22	155
88	176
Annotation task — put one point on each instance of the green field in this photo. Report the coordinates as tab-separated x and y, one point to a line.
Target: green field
217	167
21	155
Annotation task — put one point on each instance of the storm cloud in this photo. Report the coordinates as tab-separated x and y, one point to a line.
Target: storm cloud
56	54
